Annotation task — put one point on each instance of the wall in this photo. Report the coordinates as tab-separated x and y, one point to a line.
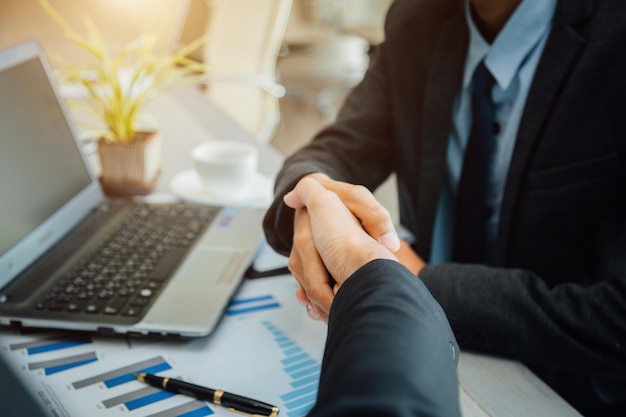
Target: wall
119	21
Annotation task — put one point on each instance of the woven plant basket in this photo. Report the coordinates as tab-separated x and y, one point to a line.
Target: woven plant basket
129	168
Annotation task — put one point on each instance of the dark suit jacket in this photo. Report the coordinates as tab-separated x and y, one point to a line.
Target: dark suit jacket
556	298
373	366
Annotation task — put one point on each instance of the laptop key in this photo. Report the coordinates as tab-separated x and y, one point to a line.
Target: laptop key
140	302
132	311
94	307
55	306
133	262
167	265
75	307
114	306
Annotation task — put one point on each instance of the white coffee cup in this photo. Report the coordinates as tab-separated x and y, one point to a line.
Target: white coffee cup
225	168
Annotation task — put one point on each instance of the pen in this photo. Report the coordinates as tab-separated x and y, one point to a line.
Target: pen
232	402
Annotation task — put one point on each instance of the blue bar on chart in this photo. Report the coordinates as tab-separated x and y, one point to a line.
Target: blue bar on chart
51	343
191	409
251	305
59	365
139	398
125	374
303	370
145	396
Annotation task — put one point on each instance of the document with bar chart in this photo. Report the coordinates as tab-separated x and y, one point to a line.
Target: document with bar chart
265	348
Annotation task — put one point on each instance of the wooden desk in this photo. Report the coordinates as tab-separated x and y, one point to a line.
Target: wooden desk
185	117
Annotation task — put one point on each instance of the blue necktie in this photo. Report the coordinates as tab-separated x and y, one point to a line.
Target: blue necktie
471	213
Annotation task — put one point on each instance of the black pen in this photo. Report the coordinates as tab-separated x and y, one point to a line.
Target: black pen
232	402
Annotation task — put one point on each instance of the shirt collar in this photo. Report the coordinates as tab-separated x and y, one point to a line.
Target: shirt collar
525	28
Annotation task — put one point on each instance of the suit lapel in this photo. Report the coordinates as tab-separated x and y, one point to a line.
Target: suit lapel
559	56
442	84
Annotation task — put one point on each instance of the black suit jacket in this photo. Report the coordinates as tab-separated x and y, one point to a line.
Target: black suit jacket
556	298
390	351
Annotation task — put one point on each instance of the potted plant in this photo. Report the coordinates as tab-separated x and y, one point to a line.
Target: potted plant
116	87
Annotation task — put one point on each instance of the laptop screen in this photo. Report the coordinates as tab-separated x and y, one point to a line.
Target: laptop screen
42	170
50	170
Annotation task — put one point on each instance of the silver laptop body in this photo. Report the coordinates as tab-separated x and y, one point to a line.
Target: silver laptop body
53	212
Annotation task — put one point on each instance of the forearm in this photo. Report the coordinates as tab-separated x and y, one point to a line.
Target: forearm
390	351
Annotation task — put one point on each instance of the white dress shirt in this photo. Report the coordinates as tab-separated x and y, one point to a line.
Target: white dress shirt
512	59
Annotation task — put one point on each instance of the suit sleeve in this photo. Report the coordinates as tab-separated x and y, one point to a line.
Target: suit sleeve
499	311
390	351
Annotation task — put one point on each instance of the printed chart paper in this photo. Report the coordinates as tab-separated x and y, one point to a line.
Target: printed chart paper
266	348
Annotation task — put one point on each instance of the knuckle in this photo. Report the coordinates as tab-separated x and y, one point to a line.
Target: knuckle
358	192
375	216
316	289
293	264
301	239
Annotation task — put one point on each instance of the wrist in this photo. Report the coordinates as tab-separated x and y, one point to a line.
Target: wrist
360	254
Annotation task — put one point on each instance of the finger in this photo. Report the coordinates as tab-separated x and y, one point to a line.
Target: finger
374	218
307	265
301	297
310	193
330	223
313	311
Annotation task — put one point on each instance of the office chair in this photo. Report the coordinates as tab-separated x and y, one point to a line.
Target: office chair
325	69
244	38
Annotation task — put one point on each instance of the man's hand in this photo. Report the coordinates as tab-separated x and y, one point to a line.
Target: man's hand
329	239
374	218
307	266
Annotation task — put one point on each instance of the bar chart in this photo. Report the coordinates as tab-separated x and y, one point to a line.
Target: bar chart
265	335
136	399
303	371
49	353
125	374
248	305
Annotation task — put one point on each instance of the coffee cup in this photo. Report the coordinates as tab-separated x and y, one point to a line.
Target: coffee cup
225	168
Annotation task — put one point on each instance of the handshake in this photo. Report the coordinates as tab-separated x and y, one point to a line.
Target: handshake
338	228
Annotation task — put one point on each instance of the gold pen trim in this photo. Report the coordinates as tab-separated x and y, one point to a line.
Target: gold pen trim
217	397
164	382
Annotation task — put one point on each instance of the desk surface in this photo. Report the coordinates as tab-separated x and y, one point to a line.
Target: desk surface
186	118
488	386
265	336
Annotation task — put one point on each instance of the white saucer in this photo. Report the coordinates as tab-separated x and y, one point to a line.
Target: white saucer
187	186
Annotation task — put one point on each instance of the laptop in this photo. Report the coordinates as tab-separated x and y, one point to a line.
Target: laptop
70	258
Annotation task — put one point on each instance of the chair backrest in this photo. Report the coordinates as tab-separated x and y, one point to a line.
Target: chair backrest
244	38
365	18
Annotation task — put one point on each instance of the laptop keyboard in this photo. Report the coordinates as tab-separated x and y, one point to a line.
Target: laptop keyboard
124	272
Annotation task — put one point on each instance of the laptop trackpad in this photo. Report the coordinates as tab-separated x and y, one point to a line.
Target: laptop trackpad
209	265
